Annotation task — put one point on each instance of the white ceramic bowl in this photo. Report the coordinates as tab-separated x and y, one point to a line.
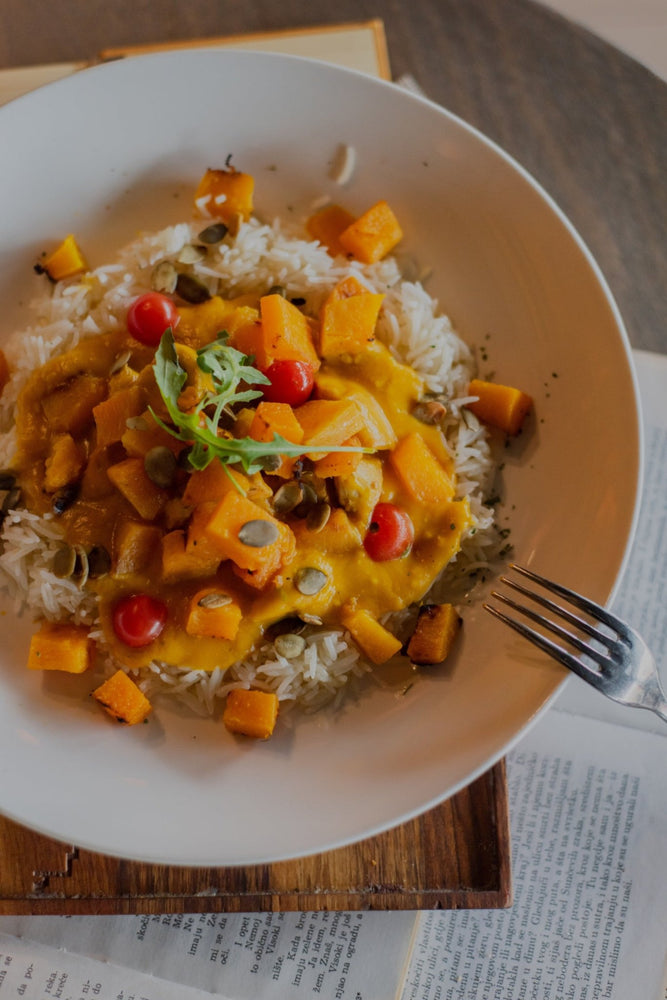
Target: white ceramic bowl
103	154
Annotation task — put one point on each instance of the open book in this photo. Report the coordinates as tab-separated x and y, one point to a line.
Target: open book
589	829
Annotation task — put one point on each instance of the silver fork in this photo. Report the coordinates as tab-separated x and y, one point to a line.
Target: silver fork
618	662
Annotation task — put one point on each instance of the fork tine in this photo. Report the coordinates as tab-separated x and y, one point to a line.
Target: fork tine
548	646
599	657
556	609
584	603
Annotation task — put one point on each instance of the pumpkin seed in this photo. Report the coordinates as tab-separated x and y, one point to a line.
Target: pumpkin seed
214	233
136	424
318	516
7	479
309	581
10	499
81	566
287	497
258	533
429	411
271	462
191	289
160	465
99	562
289	645
190	254
277	290
164	277
64	561
119	362
216	599
64	498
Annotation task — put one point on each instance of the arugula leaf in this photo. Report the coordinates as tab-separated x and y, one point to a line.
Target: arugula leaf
200	428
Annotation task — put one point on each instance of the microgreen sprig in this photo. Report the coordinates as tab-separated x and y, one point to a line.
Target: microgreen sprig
200	427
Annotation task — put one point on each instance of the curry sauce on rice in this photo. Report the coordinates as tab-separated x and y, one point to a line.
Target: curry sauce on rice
242	462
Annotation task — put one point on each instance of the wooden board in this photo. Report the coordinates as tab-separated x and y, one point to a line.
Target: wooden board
457	856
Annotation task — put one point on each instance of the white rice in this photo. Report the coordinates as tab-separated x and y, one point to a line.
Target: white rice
261	255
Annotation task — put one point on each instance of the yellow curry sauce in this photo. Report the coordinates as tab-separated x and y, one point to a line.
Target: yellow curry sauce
58	450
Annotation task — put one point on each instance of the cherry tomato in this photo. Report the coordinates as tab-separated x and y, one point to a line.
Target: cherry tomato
390	533
139	619
291	382
149	316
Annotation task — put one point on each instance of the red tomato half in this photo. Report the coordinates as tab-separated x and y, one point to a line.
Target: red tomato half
149	316
390	533
291	382
139	619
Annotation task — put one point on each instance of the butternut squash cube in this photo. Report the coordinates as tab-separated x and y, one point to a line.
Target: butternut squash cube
370	237
135	544
181	563
348	324
420	471
63	463
500	406
277	418
208	618
286	334
213	483
328	422
225	524
70	407
340	463
437	627
225	194
61	646
251	713
144	434
268	572
122	699
376	431
65	261
326	226
200	324
373	639
112	414
129	477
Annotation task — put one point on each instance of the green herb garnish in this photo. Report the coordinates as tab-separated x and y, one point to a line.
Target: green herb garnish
229	370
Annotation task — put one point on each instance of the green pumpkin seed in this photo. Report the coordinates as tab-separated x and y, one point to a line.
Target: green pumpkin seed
216	599
277	290
64	498
258	533
429	411
190	254
318	516
119	362
192	290
287	497
81	566
289	645
164	277
215	233
160	466
99	562
64	561
7	479
309	581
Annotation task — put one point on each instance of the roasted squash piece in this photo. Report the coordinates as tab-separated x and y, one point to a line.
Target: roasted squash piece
326	226
61	646
65	261
348	324
328	422
181	563
135	546
213	614
64	462
122	699
112	414
277	418
225	194
227	529
285	334
500	406
376	431
359	492
373	639
420	471
371	237
70	406
437	627
340	463
251	713
213	483
130	478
